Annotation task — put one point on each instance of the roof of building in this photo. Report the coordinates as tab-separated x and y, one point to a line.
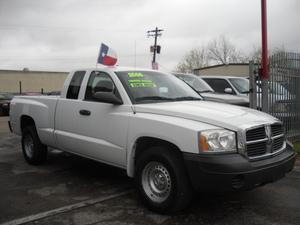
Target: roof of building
220	65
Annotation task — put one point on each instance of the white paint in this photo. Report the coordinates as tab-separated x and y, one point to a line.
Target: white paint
64	209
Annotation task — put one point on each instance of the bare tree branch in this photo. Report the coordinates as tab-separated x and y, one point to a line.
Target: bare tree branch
222	51
194	59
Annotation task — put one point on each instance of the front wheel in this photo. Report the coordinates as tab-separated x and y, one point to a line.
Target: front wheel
34	151
162	181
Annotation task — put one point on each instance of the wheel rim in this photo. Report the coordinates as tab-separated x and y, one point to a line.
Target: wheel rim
156	181
28	145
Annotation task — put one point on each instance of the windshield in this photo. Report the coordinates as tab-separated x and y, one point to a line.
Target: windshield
241	84
195	82
274	88
151	86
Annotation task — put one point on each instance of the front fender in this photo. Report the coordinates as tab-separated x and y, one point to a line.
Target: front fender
180	132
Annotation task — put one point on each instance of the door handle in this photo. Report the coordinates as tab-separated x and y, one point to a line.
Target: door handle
85	112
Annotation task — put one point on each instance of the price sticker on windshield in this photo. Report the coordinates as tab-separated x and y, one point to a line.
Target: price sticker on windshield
142	83
135	74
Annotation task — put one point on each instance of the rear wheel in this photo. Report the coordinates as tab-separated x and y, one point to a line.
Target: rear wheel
34	151
161	180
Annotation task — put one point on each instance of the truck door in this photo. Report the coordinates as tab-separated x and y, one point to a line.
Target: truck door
95	129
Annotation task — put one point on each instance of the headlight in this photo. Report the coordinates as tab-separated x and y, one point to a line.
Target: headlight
218	140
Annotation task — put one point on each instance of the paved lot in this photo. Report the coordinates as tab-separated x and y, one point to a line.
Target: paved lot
73	190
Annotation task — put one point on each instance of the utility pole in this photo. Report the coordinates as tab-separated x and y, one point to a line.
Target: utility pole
155	48
264	62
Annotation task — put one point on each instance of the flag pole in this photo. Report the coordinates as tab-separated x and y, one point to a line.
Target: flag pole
98	57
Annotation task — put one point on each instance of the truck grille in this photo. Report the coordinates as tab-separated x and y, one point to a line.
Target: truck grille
256	134
256	149
276	129
264	141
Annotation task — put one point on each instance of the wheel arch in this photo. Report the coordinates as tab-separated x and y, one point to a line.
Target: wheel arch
25	121
141	144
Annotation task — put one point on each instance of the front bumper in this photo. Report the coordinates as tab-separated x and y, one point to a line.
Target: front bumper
232	172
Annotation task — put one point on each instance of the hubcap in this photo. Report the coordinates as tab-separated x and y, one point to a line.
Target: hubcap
156	181
28	145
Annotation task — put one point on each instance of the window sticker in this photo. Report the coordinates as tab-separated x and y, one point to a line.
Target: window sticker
135	74
142	83
163	90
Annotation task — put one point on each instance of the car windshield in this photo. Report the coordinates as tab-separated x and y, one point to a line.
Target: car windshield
195	82
278	89
241	84
5	96
152	86
275	88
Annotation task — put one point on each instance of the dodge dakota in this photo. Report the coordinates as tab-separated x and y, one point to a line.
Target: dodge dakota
159	130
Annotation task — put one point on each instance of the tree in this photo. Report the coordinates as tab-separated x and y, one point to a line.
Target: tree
218	51
194	59
255	54
222	51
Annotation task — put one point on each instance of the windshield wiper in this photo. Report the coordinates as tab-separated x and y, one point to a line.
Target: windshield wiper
245	92
205	91
154	98
160	98
187	98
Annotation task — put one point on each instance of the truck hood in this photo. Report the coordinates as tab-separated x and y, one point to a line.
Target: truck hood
225	98
217	114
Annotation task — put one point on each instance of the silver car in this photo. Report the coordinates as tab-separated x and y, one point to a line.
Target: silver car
208	93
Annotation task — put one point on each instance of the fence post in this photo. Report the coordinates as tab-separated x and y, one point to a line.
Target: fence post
20	87
265	94
252	88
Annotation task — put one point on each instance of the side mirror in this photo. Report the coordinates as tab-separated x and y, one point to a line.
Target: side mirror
108	97
228	90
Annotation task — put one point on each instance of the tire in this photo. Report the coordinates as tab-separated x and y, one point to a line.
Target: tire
162	181
35	153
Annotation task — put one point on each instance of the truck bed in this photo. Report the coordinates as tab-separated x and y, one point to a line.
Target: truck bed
42	108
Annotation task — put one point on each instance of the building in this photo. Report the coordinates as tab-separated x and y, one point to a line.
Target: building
231	69
20	81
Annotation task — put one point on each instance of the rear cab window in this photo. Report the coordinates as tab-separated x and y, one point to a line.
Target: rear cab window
75	84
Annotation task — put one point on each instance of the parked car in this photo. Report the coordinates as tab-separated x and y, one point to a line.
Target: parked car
31	93
159	130
208	93
228	85
5	99
54	93
279	96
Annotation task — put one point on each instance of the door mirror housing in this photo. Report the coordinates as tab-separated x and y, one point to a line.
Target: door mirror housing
228	90
108	97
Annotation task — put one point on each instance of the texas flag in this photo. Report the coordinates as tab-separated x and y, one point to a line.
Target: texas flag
107	56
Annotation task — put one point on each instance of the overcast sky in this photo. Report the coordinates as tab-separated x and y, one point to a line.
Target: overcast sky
66	34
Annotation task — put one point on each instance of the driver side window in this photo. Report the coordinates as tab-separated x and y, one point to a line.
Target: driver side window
219	85
98	82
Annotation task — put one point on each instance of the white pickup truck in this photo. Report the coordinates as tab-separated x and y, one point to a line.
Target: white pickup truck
159	130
